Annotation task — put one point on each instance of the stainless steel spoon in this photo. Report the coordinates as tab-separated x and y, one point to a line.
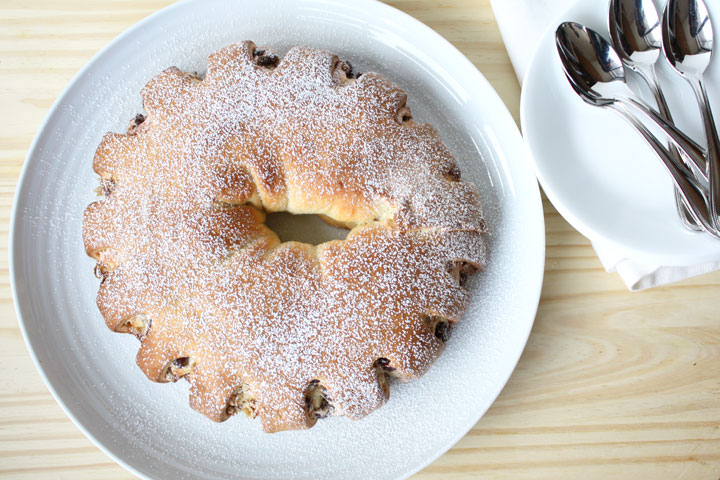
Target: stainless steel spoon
596	72
688	47
636	34
690	194
593	65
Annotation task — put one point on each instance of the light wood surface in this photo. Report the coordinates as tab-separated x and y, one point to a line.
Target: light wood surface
612	384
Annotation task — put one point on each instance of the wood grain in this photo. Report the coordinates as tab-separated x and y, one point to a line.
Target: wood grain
612	384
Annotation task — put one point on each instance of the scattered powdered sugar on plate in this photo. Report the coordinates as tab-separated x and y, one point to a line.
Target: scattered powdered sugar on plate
150	426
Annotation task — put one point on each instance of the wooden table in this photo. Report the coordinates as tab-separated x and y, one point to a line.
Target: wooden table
612	384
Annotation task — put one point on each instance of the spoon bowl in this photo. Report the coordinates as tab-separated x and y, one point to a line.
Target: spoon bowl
590	62
689	39
635	31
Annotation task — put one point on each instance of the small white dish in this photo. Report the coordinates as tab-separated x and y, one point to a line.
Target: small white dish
149	428
596	170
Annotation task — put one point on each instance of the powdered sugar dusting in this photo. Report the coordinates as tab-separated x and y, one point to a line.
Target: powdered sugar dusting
183	244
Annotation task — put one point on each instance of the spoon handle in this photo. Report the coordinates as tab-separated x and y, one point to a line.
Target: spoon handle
683	143
713	156
697	163
648	74
691	196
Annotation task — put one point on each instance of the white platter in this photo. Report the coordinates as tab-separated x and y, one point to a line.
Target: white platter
149	428
598	173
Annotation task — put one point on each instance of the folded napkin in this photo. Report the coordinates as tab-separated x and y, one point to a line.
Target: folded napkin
523	24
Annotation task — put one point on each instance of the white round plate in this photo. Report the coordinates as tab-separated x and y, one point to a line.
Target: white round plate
149	428
601	175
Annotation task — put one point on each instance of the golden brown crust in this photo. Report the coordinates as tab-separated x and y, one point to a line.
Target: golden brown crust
189	267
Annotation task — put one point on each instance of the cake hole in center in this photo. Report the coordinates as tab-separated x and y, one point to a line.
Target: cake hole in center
303	228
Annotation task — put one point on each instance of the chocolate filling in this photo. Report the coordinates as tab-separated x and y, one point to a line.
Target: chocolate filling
453	174
107	185
178	368
347	67
241	401
442	330
317	402
461	271
264	58
134	123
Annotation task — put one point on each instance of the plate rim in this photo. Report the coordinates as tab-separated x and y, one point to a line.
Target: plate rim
534	194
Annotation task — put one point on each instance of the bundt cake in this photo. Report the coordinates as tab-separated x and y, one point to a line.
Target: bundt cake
286	332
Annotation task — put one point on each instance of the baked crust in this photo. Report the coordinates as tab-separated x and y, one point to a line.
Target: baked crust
287	332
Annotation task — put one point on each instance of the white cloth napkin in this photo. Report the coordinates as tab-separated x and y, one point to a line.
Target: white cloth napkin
523	24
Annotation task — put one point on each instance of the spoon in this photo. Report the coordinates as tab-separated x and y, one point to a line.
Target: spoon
688	47
595	71
636	33
689	193
594	66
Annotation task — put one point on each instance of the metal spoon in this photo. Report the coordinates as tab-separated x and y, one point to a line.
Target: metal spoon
689	193
591	66
635	33
594	66
688	48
